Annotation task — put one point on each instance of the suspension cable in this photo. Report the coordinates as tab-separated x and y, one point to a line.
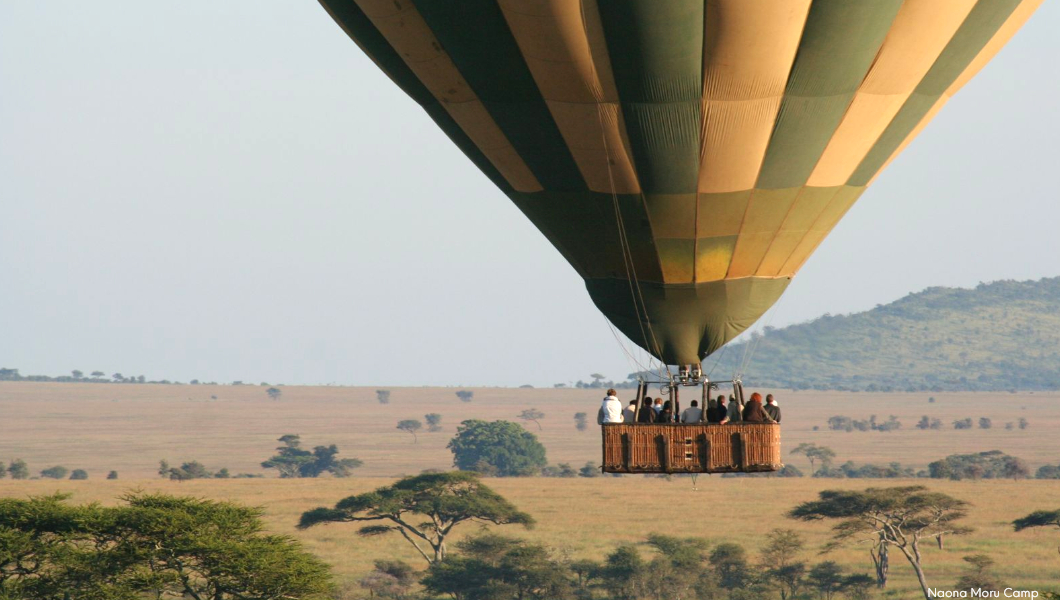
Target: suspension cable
639	306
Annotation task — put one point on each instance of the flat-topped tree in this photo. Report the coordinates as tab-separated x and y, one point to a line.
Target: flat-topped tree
1038	518
445	499
410	426
532	414
899	517
815	453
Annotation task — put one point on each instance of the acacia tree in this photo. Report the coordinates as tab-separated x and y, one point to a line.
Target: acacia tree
581	422
899	517
383	396
291	460
465	395
980	577
1038	518
532	414
18	469
410	426
815	453
500	448
445	499
152	546
274	393
779	564
434	422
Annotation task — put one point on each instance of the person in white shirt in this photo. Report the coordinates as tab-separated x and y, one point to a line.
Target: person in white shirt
612	408
630	414
692	414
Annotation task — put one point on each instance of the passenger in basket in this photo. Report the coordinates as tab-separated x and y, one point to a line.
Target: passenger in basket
646	414
754	412
666	415
658	406
721	412
734	410
692	414
771	408
611	408
630	414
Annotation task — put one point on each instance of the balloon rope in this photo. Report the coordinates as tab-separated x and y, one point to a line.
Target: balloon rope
718	362
769	321
627	256
633	362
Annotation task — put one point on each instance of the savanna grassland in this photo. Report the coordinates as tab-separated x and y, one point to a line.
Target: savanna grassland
586	518
129	428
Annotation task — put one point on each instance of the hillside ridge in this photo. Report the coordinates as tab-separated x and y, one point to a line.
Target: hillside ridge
1003	335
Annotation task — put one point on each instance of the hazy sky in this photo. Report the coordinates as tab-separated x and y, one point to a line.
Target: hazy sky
231	190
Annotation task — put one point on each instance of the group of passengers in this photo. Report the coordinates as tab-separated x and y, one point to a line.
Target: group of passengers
719	411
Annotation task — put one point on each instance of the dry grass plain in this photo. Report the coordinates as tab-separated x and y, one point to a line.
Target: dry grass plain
128	428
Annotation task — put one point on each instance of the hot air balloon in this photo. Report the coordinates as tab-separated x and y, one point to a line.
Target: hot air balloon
685	156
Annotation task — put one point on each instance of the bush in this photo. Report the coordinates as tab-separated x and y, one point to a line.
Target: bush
985	423
1048	472
789	471
291	460
55	472
983	465
18	469
112	475
963	423
78	474
560	470
499	448
589	470
434	422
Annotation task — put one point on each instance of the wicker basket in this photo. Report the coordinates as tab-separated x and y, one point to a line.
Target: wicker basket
691	448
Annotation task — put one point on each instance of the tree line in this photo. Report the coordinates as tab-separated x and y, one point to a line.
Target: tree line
425	511
159	545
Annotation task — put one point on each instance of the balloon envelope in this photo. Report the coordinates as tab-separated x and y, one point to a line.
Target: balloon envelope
685	156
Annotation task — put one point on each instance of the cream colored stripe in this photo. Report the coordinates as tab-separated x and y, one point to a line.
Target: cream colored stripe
829	218
404	28
766	212
916	131
563	44
918	36
798	223
1013	24
748	51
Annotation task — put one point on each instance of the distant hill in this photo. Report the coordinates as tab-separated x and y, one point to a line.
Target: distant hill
999	336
